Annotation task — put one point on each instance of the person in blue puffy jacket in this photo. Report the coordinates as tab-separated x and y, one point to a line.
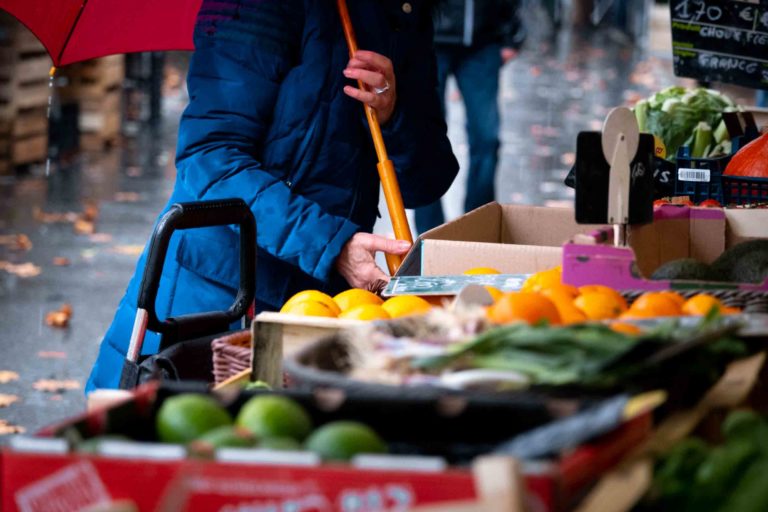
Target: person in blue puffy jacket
275	118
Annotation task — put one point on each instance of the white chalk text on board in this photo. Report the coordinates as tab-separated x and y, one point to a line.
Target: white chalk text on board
721	40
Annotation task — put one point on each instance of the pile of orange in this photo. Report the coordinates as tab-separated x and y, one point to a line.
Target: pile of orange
544	298
655	304
355	304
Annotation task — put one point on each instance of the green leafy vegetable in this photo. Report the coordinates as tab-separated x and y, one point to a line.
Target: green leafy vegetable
674	113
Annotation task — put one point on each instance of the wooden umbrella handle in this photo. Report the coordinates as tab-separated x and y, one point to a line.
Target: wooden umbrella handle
385	166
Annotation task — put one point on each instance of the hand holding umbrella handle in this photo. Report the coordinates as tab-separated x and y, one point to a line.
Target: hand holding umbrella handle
385	166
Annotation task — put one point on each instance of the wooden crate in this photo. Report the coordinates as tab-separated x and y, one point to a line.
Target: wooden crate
294	332
24	96
96	86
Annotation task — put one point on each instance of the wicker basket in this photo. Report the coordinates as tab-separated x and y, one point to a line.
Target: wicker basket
231	355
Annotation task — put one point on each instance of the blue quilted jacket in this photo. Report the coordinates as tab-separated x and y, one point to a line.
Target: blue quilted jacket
268	122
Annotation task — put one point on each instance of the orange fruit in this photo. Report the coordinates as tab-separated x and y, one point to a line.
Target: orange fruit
495	292
652	304
569	313
562	296
726	310
633	314
313	296
701	304
356	297
679	299
599	305
308	308
366	312
564	289
543	280
404	305
481	271
606	290
523	306
625	328
435	300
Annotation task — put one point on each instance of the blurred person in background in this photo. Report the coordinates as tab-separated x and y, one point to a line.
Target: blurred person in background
473	40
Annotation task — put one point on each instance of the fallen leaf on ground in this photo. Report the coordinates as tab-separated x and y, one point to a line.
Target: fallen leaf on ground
60	261
52	218
90	211
59	318
6	428
22	270
6	400
83	222
20	242
128	250
84	227
51	354
127	197
7	376
55	386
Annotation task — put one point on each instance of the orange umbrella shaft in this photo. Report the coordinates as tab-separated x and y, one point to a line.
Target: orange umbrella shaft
386	168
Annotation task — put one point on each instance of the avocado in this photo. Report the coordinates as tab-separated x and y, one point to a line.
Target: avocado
686	269
746	262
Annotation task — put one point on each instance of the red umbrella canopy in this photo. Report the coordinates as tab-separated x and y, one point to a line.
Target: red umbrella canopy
76	30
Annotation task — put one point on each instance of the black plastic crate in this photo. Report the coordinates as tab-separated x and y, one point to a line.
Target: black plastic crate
744	190
699	178
702	178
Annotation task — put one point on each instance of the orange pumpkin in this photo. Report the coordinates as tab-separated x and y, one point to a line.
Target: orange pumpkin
750	161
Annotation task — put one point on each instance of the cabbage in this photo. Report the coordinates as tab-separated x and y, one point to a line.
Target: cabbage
673	114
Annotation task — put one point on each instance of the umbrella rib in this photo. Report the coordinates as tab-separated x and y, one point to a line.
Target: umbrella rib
72	30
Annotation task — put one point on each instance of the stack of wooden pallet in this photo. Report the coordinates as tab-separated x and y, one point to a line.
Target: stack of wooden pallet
96	86
24	92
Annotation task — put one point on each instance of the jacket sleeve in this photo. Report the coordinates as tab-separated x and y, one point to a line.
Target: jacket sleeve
244	49
416	135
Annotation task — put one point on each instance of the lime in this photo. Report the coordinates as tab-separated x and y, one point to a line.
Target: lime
225	436
275	416
342	440
280	443
186	417
257	384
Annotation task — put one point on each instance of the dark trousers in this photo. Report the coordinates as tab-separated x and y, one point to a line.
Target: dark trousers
477	75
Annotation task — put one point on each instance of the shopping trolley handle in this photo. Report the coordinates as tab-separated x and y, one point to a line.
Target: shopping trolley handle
182	216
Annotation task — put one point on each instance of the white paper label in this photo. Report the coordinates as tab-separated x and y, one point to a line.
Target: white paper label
700	175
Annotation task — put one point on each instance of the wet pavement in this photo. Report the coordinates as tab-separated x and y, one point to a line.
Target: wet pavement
556	88
44	368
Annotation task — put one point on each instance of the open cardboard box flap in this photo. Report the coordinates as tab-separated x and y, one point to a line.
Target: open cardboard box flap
515	239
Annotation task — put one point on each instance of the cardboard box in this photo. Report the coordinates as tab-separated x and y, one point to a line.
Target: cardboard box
678	232
745	224
514	239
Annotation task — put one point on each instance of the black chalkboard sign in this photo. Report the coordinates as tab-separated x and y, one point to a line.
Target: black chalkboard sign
721	41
